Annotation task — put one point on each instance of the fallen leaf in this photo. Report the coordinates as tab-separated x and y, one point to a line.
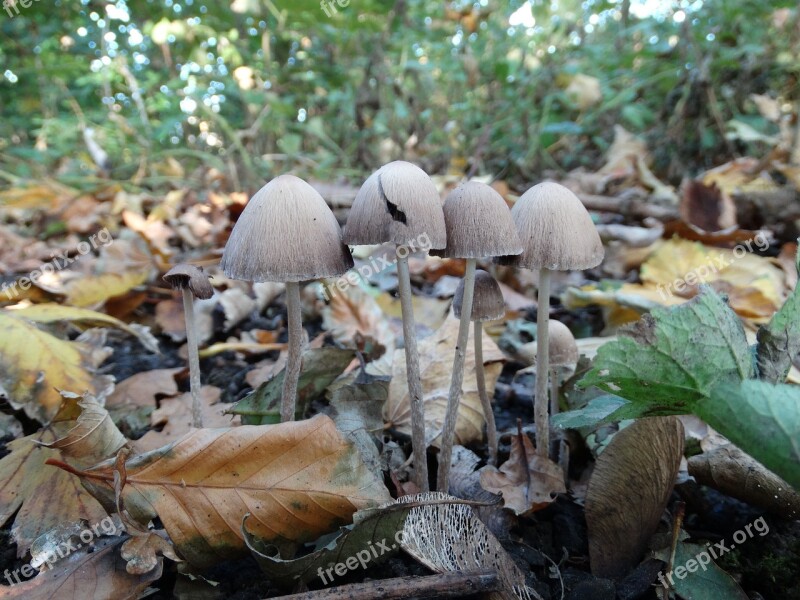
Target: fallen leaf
527	481
436	363
354	312
298	480
141	552
92	572
628	491
704	206
708	583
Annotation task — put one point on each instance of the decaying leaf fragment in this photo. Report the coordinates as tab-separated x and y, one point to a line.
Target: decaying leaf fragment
298	480
527	481
628	492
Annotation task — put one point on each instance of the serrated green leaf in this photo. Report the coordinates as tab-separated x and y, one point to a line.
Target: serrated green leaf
674	357
763	420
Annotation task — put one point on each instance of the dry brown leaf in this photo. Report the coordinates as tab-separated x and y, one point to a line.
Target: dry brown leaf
169	316
705	206
527	481
298	480
354	312
174	417
34	365
436	363
141	552
30	487
628	492
92	572
143	389
449	537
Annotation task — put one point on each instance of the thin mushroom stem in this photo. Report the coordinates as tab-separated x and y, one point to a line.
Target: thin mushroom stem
554	409
542	363
194	358
449	430
413	374
292	374
488	413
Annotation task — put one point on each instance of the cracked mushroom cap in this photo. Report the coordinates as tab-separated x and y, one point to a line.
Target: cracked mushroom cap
478	223
556	231
189	276
562	348
487	303
285	233
398	203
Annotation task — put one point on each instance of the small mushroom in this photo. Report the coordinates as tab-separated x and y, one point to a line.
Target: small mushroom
487	305
399	203
557	234
479	225
287	233
563	351
193	283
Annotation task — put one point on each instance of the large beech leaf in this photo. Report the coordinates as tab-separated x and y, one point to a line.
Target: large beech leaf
91	572
628	492
763	420
34	365
674	357
298	480
30	487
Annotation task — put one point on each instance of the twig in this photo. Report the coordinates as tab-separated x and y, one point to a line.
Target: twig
446	585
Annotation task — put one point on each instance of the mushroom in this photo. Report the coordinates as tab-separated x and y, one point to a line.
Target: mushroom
287	233
557	234
399	203
193	283
563	354
479	225
487	305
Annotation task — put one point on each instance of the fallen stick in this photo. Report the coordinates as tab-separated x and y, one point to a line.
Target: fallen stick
446	585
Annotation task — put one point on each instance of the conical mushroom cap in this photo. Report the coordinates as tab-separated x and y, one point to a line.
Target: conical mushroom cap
487	302
478	223
556	231
562	348
285	233
397	203
190	276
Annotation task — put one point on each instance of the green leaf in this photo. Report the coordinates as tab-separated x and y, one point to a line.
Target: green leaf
763	420
779	341
320	367
674	357
706	581
599	411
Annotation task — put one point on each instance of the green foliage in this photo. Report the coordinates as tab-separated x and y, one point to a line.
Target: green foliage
270	85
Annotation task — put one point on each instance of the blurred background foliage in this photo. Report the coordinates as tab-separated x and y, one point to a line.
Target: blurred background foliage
150	91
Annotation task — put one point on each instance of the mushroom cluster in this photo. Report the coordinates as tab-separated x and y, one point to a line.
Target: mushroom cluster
287	233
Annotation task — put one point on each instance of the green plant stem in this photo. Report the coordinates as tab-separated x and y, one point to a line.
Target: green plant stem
488	413
292	373
542	363
194	358
453	399
413	376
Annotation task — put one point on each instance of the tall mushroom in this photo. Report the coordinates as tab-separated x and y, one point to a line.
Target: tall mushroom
479	225
487	305
558	235
193	283
399	203
287	233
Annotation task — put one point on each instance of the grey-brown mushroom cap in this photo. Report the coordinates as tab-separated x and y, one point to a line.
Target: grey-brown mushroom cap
184	276
398	203
556	231
285	233
562	348
478	223
487	301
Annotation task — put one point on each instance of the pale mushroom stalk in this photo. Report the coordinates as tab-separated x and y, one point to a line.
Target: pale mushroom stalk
413	374
194	358
540	402
457	379
293	361
480	376
554	386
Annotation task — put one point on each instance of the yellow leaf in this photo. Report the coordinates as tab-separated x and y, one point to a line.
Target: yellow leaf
93	290
436	363
34	365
